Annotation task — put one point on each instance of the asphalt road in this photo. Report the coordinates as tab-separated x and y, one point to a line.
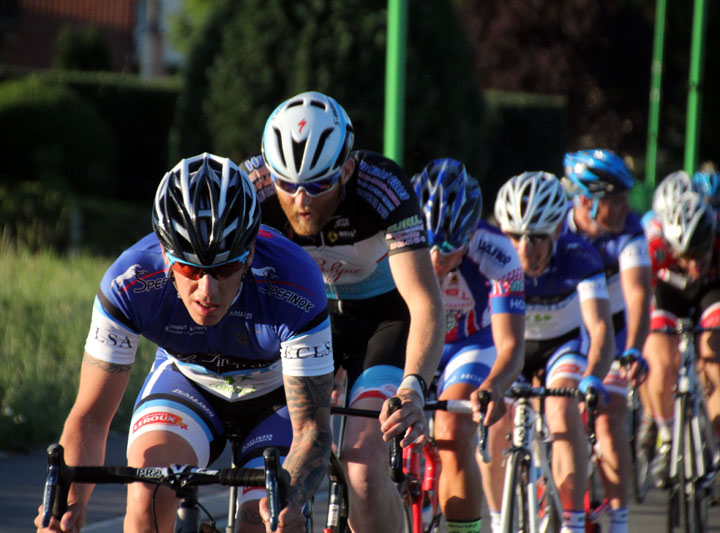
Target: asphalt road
22	478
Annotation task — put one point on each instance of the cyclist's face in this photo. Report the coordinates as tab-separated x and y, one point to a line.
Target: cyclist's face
445	263
309	214
207	300
696	267
534	252
611	212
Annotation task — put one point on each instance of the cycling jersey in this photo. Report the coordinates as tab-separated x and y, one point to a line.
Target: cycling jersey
278	322
489	280
378	216
618	251
575	273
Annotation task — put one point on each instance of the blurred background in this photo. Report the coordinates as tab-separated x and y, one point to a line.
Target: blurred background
99	98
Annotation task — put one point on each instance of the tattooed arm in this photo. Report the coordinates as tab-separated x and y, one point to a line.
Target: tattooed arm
84	435
308	400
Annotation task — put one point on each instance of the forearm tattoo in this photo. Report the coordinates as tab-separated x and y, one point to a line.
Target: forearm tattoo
308	400
110	368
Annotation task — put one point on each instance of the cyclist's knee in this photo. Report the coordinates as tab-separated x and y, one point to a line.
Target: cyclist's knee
144	505
454	430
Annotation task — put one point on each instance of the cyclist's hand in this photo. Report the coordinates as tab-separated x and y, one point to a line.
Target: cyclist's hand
637	371
71	521
338	391
408	421
290	520
496	407
594	382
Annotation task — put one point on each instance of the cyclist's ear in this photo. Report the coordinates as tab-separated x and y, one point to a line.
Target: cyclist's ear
347	170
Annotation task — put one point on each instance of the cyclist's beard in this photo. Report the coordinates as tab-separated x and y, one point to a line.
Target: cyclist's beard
311	219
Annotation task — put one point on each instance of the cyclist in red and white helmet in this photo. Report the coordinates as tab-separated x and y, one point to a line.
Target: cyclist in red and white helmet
356	213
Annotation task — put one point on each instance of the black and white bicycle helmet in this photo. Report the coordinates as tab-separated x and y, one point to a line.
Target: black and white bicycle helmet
307	138
206	212
670	189
688	224
531	202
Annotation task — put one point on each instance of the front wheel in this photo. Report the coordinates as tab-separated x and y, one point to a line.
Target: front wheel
515	515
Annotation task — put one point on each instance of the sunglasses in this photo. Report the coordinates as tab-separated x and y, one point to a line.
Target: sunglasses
446	248
312	188
220	272
531	238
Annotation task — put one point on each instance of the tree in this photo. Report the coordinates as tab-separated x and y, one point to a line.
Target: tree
272	49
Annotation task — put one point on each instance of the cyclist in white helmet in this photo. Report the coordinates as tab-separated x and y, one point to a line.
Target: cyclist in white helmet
686	268
569	338
205	287
357	215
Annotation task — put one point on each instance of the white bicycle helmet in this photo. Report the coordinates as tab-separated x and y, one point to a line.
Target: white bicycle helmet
206	212
688	224
307	138
670	189
532	202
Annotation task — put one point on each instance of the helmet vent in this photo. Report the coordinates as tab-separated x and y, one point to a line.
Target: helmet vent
318	103
321	143
278	139
298	152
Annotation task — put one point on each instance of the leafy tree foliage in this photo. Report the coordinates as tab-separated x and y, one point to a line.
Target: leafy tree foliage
272	49
81	48
599	55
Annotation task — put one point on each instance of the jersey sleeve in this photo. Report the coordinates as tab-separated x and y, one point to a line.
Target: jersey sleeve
271	212
385	186
499	263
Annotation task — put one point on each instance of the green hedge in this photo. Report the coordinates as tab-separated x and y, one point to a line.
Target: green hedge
51	135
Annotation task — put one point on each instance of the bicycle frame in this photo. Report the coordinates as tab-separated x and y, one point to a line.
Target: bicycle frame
693	446
529	450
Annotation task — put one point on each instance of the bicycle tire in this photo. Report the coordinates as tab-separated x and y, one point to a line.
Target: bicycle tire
515	514
677	504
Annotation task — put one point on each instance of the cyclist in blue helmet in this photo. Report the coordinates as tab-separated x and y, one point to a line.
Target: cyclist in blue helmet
600	182
483	293
707	183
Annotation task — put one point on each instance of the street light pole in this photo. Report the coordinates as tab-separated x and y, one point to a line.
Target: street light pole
395	80
695	86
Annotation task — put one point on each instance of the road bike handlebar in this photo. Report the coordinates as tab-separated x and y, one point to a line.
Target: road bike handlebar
180	478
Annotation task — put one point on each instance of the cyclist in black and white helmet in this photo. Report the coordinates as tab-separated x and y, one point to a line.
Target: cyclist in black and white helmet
567	298
356	214
204	287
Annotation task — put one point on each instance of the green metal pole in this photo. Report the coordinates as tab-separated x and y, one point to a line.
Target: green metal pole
655	92
697	58
395	80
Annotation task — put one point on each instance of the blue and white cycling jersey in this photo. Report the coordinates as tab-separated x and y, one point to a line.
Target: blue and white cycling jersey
489	280
575	273
278	323
618	251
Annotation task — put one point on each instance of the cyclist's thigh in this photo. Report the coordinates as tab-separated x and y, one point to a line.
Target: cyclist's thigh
170	403
467	362
566	366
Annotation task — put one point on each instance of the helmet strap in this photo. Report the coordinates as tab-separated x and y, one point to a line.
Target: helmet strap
594	209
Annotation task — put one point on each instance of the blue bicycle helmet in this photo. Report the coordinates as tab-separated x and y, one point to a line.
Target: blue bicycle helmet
596	173
451	201
708	184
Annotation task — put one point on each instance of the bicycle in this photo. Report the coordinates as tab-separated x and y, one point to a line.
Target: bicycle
184	480
694	459
531	501
415	469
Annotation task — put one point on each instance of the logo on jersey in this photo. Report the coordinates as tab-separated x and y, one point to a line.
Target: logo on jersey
130	274
288	296
137	276
305	352
159	417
